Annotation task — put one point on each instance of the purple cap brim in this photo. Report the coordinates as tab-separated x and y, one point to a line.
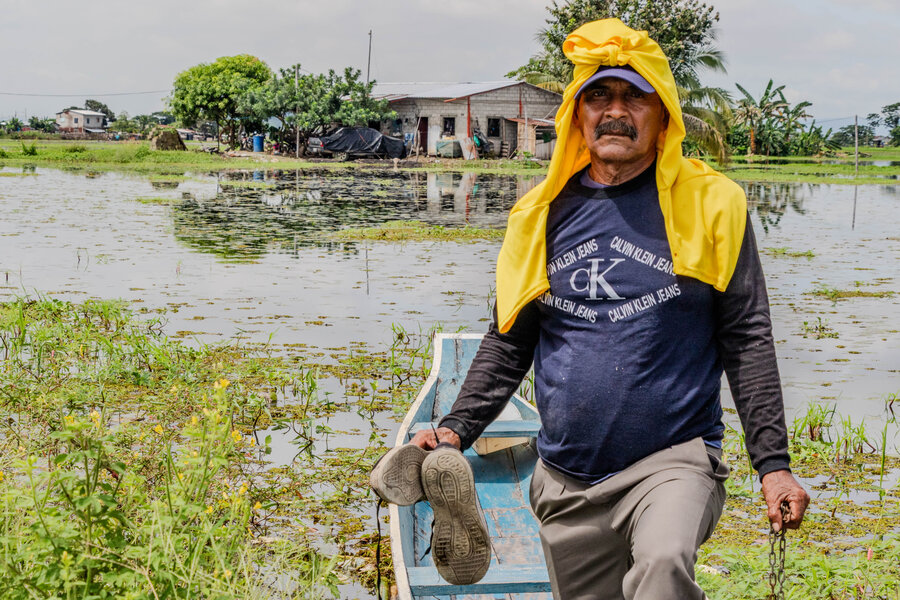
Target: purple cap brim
624	73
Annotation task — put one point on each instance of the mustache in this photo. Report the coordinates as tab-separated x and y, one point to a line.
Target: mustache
615	127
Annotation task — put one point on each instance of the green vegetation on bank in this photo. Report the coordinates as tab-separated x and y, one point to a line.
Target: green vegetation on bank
415	231
135	466
137	157
849	544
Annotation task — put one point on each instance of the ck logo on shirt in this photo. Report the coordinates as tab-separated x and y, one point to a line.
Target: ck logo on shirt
592	279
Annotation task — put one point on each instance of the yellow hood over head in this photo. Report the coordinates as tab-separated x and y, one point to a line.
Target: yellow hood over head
704	211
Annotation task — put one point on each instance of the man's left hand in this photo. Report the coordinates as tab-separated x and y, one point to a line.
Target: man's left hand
782	486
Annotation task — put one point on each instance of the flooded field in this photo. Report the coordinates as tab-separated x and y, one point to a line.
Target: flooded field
255	256
248	254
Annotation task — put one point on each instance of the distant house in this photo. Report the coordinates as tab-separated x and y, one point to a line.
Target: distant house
76	120
513	115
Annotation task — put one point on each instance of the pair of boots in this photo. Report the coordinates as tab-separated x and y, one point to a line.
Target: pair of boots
460	545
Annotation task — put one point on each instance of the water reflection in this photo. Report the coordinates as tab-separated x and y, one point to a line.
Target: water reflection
770	201
254	213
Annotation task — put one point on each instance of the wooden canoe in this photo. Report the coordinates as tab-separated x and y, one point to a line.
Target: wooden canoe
502	461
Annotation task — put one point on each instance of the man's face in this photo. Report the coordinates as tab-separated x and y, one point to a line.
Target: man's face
620	123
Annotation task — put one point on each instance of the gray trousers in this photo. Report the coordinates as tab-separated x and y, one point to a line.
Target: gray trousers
636	534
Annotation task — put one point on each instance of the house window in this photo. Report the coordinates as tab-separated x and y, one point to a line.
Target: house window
87	121
493	127
449	126
76	119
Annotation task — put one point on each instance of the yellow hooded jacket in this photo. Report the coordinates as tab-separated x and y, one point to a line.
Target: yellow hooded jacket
704	211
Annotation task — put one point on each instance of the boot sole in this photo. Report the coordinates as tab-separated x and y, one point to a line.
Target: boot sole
460	544
397	476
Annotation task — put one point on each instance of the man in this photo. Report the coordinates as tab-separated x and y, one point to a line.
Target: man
630	279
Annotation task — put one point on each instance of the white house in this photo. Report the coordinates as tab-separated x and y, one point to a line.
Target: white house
77	120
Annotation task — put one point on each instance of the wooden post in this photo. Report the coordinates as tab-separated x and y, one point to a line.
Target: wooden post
296	115
856	142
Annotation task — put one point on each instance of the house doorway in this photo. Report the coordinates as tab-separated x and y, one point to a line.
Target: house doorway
423	135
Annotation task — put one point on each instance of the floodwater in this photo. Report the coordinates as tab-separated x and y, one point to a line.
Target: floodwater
247	254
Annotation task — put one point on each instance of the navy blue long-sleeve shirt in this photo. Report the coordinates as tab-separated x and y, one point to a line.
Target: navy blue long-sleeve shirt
628	356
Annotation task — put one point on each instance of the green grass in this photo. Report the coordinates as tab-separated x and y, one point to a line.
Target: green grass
136	156
409	231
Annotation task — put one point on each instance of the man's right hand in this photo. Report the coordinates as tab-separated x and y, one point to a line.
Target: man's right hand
429	439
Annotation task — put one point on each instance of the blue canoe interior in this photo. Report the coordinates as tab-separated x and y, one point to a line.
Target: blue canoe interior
502	479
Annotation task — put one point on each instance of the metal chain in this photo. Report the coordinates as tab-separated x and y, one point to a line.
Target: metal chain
777	552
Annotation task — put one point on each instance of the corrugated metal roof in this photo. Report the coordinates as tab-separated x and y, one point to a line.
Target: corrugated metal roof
533	121
82	111
438	91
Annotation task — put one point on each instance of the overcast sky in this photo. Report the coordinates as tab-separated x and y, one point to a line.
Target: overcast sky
841	55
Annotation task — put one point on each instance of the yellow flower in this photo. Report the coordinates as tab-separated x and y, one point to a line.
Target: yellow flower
252	441
221	384
257	506
243	489
2	476
181	477
174	389
209	509
236	436
158	429
95	416
69	419
194	420
227	574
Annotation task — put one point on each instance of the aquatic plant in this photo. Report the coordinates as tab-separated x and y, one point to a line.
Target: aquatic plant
127	466
819	330
835	294
779	252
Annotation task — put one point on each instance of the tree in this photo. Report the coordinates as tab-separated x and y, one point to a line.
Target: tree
39	124
682	28
891	114
214	92
846	135
98	106
760	116
684	31
162	117
144	122
14	124
315	102
873	120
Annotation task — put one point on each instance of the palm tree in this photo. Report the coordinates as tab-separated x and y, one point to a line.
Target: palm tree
690	37
756	114
791	116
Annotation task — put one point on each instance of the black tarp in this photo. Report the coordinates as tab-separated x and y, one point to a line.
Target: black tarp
365	141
